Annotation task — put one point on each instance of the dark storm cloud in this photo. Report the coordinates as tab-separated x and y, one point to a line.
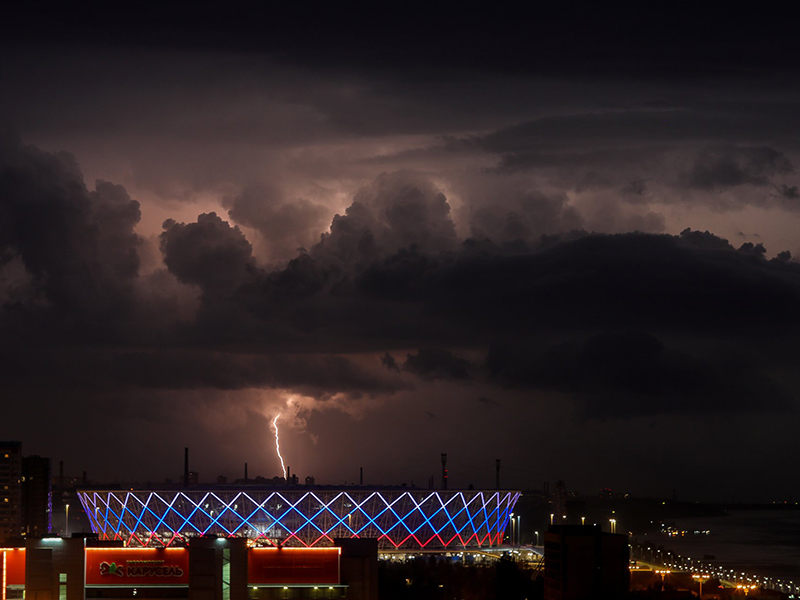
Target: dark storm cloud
554	138
397	210
592	180
257	127
695	147
553	39
478	294
626	374
93	371
754	249
624	280
529	216
527	161
736	166
390	362
789	192
209	253
80	276
634	190
512	141
704	240
286	225
393	274
436	363
78	246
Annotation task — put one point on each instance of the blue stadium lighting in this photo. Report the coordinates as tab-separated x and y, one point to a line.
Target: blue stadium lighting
399	519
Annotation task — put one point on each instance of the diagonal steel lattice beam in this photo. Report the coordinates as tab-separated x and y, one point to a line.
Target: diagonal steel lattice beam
301	517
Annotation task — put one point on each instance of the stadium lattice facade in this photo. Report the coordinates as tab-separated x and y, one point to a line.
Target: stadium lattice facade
404	519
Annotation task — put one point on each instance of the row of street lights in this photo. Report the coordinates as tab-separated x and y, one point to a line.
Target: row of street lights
516	531
583	521
742	580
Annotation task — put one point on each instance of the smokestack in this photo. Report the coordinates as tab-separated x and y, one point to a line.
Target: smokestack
186	467
61	474
444	471
245	472
288	473
497	474
85	479
361	477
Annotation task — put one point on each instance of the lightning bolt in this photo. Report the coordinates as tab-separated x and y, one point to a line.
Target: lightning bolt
278	443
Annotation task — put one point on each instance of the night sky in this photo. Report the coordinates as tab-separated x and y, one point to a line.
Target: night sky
562	237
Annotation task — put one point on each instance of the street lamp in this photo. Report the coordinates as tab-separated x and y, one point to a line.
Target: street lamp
746	588
519	531
512	530
663	573
537	537
66	522
702	579
552	516
613	525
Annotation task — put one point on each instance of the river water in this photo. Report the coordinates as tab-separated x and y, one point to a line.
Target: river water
759	542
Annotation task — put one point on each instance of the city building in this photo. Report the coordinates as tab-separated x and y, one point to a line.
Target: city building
398	518
208	568
37	496
10	491
25	494
581	561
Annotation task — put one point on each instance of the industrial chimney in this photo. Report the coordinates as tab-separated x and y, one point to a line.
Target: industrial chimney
444	471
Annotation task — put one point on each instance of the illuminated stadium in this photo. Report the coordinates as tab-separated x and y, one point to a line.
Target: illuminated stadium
402	519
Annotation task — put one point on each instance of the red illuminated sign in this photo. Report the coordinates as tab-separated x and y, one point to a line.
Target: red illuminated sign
14	566
293	566
132	567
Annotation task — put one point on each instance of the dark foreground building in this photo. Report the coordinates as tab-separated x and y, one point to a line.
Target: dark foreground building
25	494
208	568
37	496
582	562
10	490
